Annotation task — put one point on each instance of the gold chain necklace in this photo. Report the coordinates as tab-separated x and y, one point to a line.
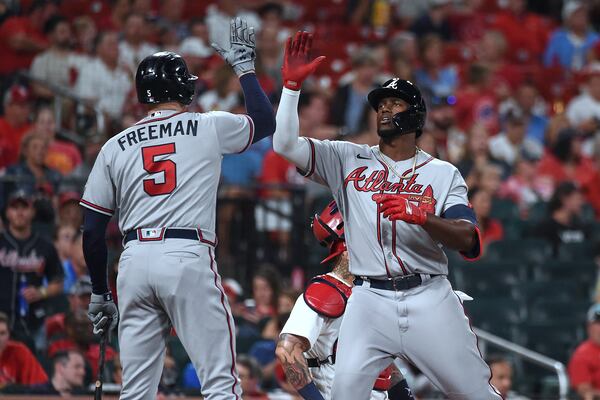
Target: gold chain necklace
414	167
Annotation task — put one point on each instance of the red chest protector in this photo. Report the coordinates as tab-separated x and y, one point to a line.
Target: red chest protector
384	380
327	296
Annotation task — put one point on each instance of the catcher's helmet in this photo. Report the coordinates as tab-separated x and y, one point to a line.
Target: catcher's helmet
164	77
328	228
411	120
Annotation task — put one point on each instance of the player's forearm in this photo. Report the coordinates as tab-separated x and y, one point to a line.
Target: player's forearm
455	234
95	250
258	107
290	349
286	142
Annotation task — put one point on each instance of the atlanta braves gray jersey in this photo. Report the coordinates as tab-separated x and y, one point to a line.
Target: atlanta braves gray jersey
380	248
141	170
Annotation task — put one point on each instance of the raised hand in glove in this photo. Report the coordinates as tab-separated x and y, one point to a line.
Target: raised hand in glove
102	311
296	62
242	47
398	208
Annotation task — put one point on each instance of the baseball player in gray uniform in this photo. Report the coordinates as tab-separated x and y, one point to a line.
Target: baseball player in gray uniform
400	207
161	177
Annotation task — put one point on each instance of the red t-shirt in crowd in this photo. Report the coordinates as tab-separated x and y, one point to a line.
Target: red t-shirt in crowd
63	156
526	35
278	170
19	366
491	231
473	106
13	60
584	365
10	140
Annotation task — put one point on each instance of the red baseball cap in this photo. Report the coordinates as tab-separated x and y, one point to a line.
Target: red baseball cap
70	196
18	94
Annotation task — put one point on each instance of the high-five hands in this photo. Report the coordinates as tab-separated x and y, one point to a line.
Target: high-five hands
242	47
398	208
296	60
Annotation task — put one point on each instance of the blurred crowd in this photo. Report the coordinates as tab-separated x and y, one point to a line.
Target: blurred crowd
513	97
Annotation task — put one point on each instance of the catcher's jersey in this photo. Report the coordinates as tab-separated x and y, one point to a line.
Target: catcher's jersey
322	334
377	247
164	170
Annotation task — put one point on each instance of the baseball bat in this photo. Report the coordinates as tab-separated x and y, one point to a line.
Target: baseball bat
100	378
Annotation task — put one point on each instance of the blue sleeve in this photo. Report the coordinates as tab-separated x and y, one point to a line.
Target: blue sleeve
94	248
461	211
258	107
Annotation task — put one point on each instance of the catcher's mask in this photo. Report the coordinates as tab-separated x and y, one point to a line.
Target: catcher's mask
328	228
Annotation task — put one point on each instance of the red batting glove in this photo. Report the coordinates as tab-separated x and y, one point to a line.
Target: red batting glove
296	65
396	207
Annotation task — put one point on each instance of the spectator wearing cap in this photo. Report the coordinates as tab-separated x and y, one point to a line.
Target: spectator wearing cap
584	110
31	174
134	47
526	32
570	44
525	187
434	20
349	109
22	37
14	123
507	145
101	80
69	211
433	77
79	300
30	270
58	64
18	365
530	104
563	223
62	155
584	365
68	374
64	240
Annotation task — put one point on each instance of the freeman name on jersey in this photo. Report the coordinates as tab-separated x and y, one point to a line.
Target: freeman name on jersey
157	131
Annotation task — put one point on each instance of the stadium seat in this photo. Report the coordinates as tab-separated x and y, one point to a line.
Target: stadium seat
583	251
583	273
500	316
547	310
555	339
535	292
529	251
488	278
504	210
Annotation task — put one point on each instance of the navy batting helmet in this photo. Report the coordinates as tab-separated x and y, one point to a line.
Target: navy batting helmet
411	120
164	77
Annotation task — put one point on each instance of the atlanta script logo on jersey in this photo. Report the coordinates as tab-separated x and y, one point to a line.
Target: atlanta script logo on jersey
377	182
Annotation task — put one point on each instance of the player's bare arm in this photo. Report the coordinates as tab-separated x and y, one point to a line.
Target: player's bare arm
296	68
290	349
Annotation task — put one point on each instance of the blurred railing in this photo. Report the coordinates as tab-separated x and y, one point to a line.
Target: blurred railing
529	355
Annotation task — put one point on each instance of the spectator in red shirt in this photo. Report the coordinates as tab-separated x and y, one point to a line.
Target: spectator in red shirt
584	365
17	364
490	228
491	53
21	37
526	33
14	124
62	155
476	102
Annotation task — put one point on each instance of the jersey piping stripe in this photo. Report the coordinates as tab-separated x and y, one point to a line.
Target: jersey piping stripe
227	316
251	136
311	170
158	119
404	271
387	269
477	345
95	207
418	166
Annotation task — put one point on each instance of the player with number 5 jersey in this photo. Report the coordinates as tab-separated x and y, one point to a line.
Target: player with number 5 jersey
160	177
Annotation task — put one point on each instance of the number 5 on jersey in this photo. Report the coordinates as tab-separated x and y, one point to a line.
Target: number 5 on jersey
167	167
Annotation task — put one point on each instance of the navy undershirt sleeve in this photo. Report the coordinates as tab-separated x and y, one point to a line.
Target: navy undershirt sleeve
94	249
461	211
258	107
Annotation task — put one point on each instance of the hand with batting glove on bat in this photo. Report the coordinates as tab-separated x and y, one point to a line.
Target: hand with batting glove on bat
399	208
